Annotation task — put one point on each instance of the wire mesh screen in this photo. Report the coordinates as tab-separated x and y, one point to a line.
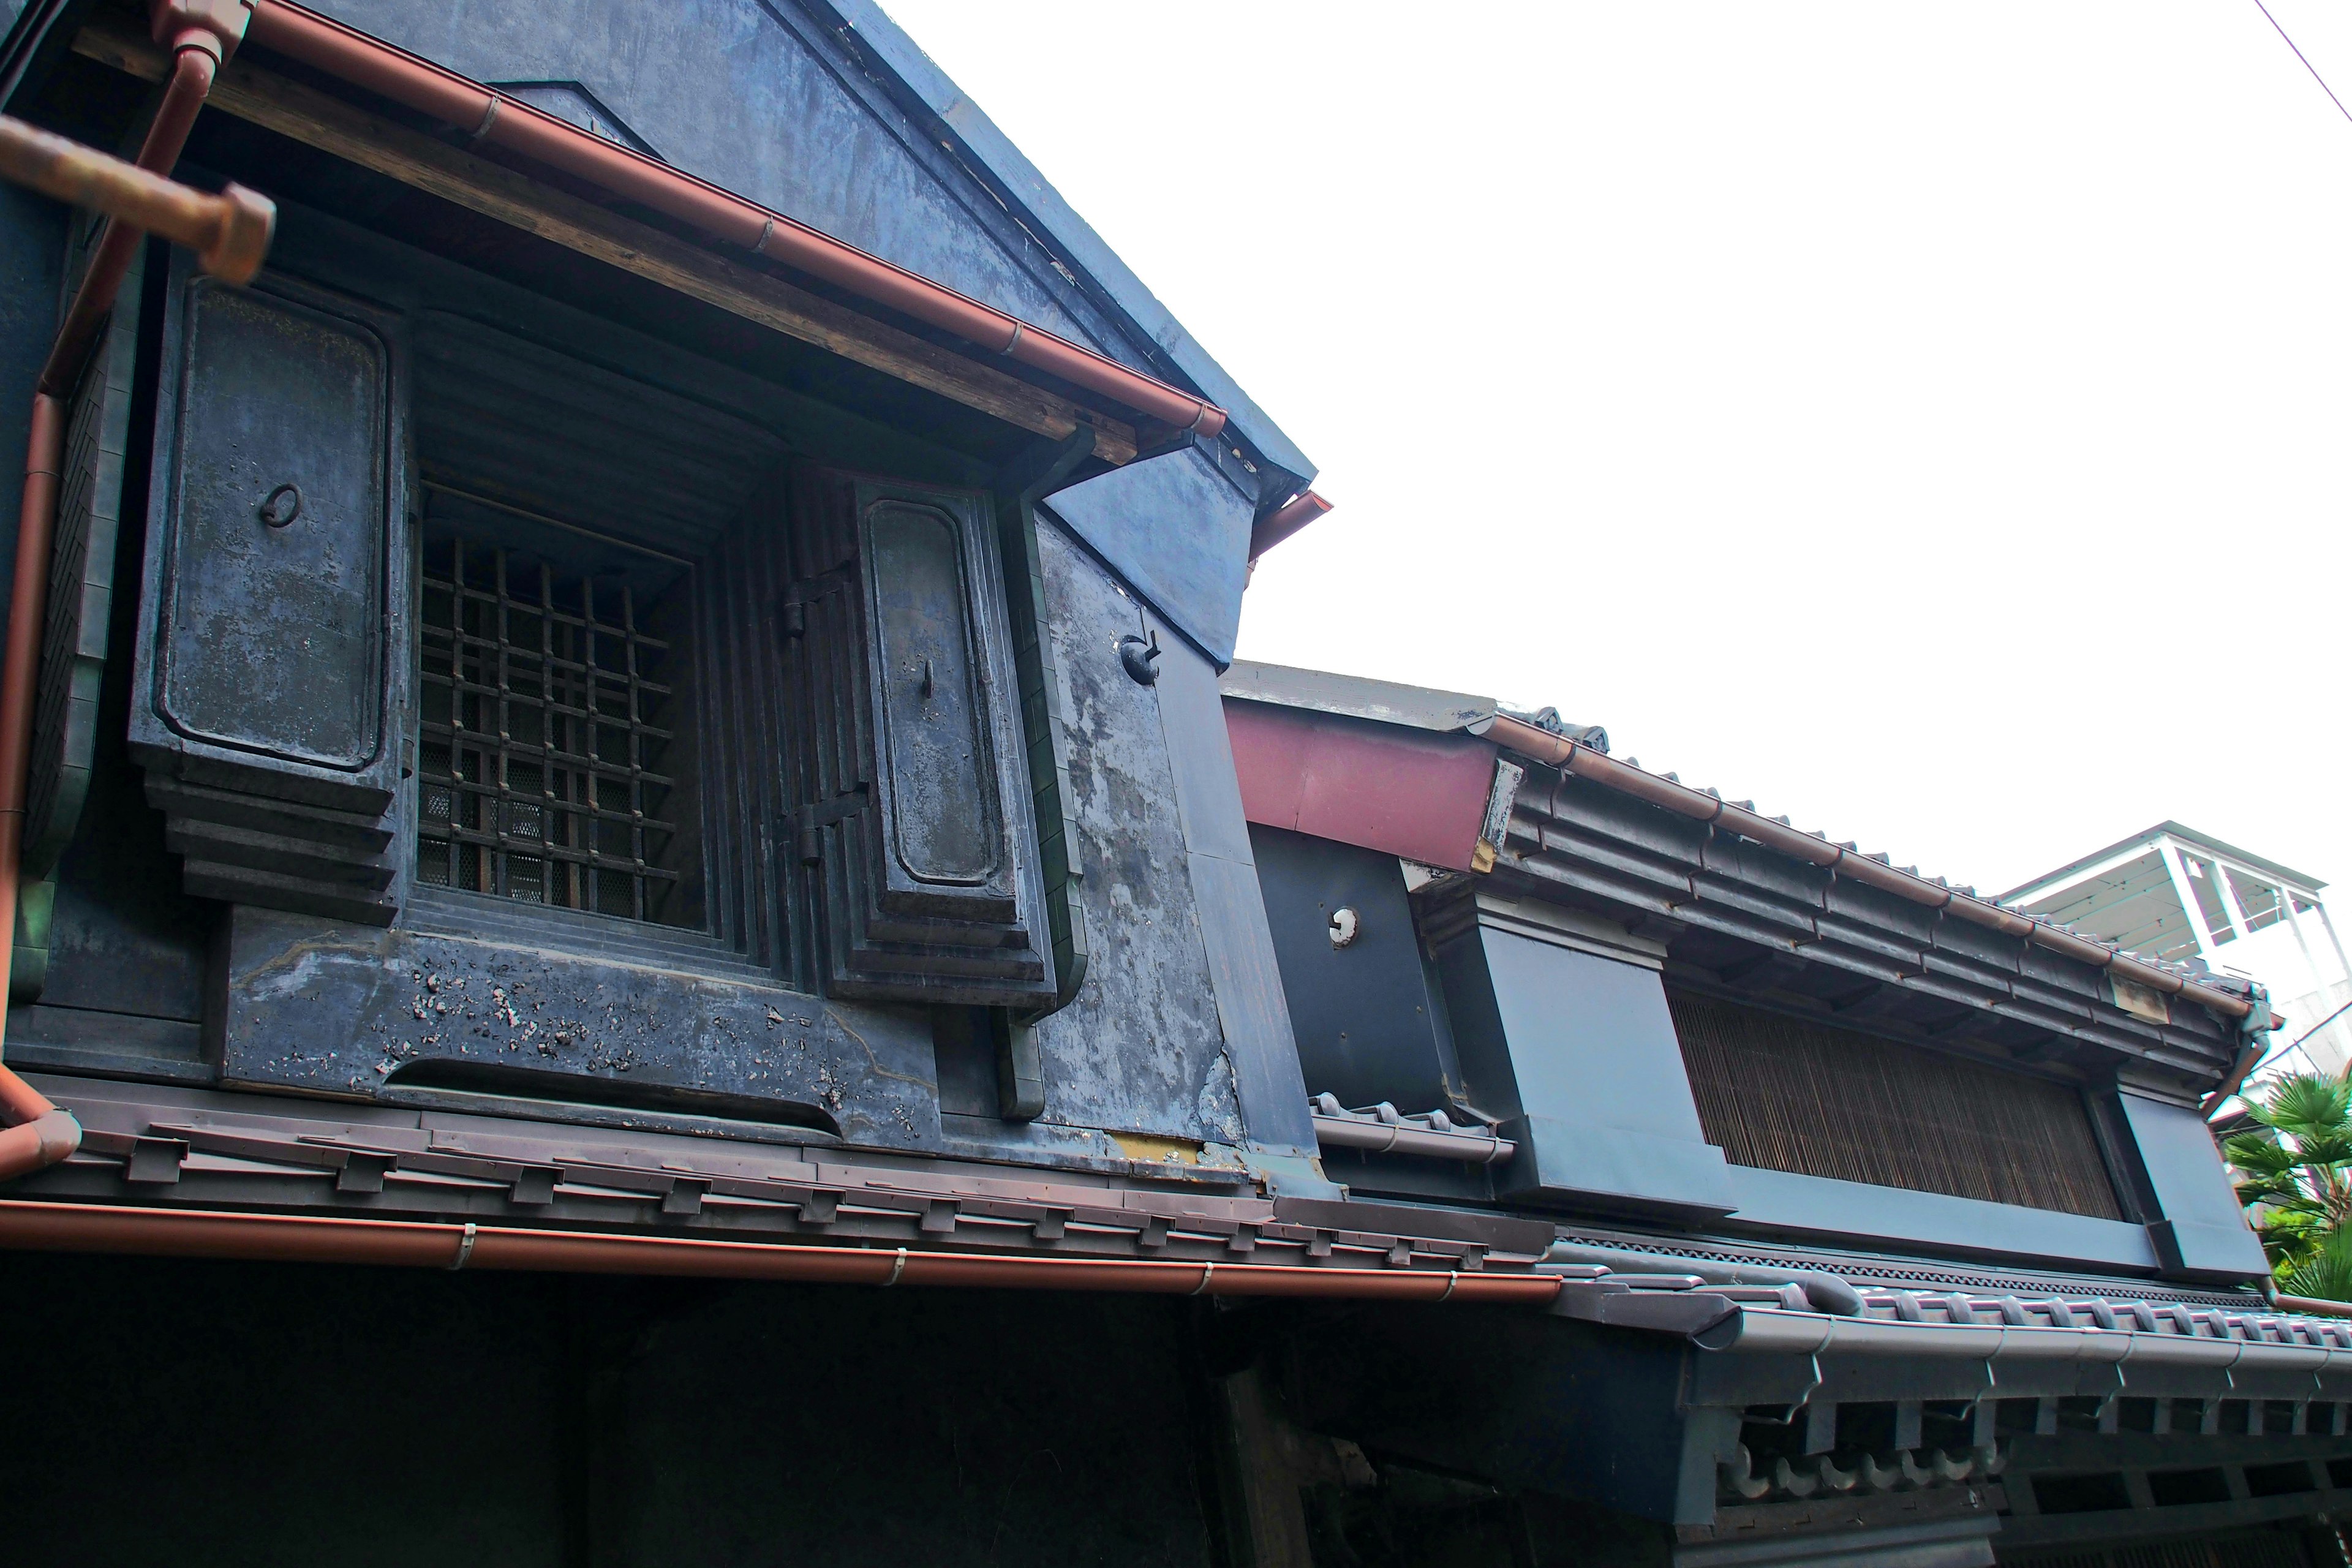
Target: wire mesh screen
542	746
1784	1094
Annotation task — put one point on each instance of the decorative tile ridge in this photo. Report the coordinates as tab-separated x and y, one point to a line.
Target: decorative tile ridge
1667	792
192	1160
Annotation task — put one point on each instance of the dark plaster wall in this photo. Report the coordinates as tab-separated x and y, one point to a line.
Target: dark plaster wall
252	1414
1141	1049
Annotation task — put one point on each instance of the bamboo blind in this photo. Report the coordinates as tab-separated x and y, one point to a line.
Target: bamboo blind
1784	1094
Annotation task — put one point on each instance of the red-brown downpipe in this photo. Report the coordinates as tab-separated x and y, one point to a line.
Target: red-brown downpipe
491	117
440	1244
201	31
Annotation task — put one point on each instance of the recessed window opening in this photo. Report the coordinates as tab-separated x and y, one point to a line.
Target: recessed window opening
555	756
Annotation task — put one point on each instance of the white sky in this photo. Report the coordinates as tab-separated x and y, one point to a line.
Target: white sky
1930	421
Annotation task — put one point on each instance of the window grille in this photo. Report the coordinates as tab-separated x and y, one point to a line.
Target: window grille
541	745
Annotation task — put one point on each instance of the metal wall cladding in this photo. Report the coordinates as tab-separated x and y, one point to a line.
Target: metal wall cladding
279	533
1785	1094
1368	1016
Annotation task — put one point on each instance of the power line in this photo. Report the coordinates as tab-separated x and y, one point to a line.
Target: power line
2321	1025
2313	69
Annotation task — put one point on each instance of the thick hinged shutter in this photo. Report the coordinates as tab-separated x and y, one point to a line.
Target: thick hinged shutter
913	829
267	675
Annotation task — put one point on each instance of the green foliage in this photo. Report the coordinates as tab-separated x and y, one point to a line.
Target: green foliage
2295	1175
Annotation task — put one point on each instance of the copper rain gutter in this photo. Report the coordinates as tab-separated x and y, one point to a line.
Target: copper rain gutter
200	34
494	119
429	1244
1560	752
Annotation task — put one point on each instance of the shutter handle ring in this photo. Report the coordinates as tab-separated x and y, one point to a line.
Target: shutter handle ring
282	506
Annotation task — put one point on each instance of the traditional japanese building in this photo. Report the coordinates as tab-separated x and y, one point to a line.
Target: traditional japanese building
642	934
1907	1238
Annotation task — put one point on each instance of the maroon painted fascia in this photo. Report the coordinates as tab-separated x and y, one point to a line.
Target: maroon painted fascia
1412	793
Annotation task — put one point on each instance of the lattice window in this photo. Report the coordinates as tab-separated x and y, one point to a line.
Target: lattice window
544	764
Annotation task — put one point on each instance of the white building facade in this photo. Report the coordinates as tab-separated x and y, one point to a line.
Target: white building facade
2177	894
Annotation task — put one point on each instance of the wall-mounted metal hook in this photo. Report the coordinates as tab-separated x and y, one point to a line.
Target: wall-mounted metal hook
1137	655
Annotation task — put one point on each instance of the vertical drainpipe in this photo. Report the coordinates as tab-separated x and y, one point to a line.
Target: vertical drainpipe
201	33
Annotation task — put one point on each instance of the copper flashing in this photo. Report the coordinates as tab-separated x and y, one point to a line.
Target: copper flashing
1585	762
1294	515
495	120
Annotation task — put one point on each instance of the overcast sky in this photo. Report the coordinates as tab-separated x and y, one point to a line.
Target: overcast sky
1930	421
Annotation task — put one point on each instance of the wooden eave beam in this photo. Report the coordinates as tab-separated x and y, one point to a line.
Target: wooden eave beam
319	120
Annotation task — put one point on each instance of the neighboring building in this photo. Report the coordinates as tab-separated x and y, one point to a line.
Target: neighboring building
1918	1247
2174	894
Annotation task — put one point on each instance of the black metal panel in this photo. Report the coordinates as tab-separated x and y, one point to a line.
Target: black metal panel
1567	1409
1368	1016
1178	532
274	595
914	796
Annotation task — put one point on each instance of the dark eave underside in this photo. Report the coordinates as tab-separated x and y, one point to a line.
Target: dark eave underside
1741	920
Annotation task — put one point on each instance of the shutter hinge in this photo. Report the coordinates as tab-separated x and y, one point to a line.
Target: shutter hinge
814	819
